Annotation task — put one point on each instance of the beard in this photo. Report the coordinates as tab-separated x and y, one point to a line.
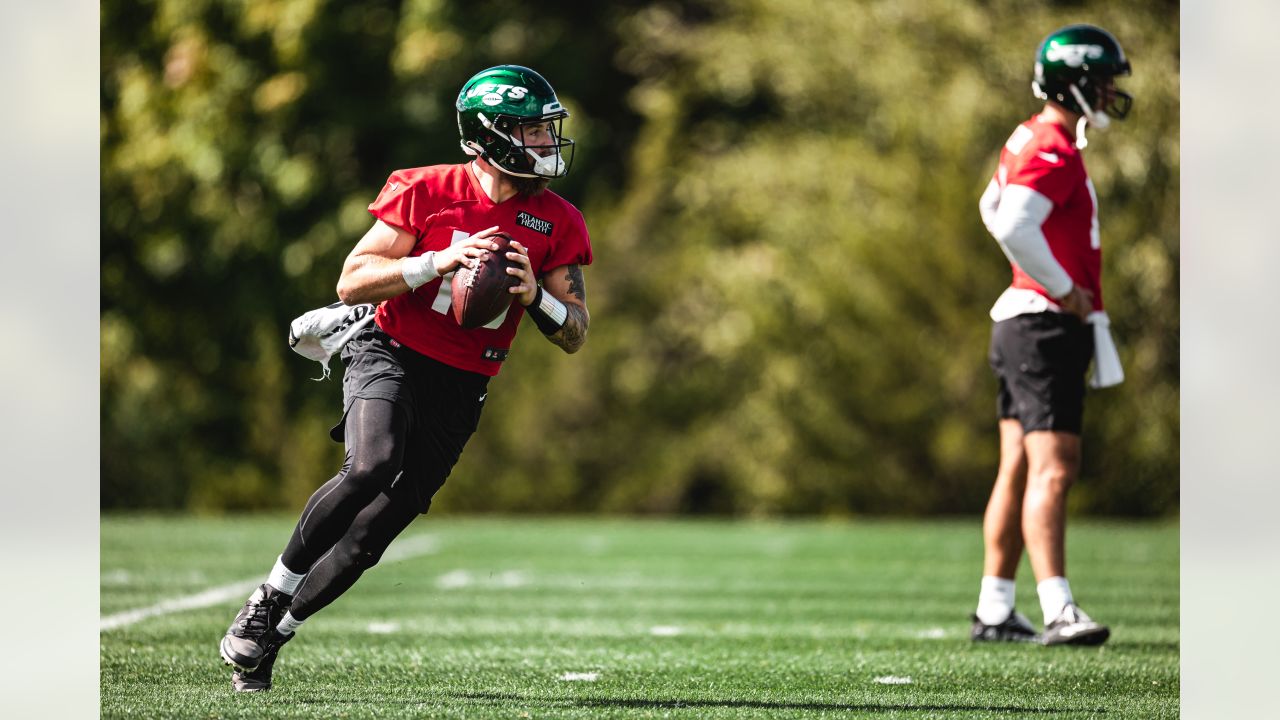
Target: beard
529	187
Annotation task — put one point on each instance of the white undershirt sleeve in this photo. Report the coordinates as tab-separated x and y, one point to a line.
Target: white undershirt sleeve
988	203
1016	225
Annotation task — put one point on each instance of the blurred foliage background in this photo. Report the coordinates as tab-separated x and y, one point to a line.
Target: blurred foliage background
791	282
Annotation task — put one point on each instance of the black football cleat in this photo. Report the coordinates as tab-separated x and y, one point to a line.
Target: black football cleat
1015	628
240	647
1073	627
259	678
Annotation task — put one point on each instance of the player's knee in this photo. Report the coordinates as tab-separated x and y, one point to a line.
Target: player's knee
361	555
1055	478
1013	476
373	472
366	559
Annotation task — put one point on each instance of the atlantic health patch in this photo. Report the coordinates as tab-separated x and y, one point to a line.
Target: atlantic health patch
535	224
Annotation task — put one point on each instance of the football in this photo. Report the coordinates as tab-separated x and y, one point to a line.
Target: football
480	294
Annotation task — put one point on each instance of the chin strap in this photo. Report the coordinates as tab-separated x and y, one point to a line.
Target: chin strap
1099	119
1082	142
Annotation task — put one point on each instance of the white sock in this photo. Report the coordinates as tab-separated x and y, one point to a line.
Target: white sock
1055	593
995	599
288	624
284	579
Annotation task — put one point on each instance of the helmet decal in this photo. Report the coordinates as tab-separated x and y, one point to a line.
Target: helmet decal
1072	55
494	94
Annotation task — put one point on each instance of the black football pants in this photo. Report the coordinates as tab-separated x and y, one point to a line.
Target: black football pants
349	522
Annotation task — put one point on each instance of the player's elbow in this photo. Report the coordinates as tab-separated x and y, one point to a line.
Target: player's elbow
348	292
572	342
988	220
1011	232
574	334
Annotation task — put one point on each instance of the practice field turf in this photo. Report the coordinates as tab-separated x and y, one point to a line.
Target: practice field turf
578	618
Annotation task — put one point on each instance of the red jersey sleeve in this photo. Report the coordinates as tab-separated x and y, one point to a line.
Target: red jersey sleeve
403	203
1052	174
573	248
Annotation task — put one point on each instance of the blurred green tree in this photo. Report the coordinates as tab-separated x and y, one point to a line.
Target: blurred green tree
791	283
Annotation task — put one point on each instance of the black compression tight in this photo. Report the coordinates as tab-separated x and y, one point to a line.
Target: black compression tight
349	522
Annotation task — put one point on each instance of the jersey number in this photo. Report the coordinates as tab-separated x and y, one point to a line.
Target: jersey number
444	297
1019	139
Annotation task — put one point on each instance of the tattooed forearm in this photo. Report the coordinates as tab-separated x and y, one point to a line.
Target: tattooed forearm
573	335
577	286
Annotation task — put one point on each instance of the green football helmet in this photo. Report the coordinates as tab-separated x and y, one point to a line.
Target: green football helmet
494	107
1074	65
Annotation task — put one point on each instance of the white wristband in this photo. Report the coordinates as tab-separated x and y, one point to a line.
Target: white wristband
547	312
420	270
553	308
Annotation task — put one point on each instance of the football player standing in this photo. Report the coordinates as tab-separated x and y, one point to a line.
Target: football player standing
1042	209
415	381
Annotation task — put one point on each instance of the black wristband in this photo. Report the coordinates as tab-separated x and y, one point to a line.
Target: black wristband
544	310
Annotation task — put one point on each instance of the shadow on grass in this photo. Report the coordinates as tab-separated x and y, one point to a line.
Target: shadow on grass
636	703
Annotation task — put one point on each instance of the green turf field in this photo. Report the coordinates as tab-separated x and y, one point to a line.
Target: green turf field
576	618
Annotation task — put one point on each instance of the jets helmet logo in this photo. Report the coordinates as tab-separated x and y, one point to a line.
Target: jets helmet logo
492	93
1072	55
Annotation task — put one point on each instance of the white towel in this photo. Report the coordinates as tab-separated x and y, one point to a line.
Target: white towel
318	334
1021	301
1106	360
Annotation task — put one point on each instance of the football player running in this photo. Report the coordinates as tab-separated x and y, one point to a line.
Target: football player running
1048	325
415	381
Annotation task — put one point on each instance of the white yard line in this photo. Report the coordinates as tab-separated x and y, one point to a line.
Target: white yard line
455	579
207	598
462	578
409	547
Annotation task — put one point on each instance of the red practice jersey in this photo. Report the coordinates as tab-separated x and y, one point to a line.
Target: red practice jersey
442	205
1041	156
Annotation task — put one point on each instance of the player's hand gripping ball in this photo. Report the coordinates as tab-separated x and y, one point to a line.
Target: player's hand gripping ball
481	294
